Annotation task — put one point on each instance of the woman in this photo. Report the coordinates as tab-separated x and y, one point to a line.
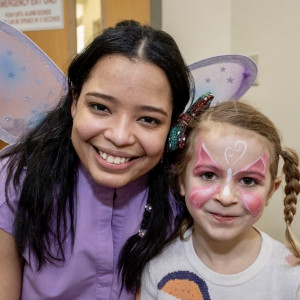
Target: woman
76	188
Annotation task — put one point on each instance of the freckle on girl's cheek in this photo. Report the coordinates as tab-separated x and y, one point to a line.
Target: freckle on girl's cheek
200	195
253	202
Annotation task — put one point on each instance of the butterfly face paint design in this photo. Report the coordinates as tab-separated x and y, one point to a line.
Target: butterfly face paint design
229	182
254	202
201	194
232	155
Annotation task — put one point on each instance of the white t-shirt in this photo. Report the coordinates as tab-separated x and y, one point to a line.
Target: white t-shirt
178	273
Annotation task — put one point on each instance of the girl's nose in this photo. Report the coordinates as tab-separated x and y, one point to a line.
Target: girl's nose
120	132
228	194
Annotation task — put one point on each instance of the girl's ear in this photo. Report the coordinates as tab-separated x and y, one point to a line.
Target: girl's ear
274	187
277	183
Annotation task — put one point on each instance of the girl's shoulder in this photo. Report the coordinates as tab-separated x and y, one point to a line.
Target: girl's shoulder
281	257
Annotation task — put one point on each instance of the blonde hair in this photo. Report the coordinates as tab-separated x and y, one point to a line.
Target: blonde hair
245	116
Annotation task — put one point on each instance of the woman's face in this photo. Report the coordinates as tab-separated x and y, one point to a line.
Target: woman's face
121	119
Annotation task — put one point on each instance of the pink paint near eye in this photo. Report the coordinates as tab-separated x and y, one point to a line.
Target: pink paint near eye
200	195
258	167
204	158
253	202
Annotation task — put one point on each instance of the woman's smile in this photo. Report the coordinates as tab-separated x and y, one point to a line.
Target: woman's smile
121	120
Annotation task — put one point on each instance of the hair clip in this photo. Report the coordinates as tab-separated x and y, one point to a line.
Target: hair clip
177	134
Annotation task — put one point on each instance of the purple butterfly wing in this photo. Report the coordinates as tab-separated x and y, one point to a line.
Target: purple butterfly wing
227	77
30	83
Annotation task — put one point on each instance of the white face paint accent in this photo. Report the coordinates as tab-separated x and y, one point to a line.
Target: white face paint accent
226	190
232	156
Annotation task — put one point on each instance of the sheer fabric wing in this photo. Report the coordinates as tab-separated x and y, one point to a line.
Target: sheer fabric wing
30	83
227	77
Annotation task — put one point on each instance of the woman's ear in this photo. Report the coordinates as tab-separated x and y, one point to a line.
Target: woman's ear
74	105
182	188
73	108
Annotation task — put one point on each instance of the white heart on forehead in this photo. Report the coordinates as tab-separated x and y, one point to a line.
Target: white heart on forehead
234	153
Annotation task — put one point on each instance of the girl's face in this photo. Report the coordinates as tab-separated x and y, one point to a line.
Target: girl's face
227	181
121	120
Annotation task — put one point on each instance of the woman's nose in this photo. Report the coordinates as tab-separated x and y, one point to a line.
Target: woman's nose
120	132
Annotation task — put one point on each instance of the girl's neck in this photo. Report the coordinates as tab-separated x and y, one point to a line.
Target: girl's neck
228	257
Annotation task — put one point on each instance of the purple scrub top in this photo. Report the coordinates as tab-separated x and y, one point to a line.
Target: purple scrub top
102	227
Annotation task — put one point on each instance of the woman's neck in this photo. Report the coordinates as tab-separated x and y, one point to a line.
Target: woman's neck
227	257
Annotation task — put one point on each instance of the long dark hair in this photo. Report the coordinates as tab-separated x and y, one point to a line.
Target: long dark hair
42	166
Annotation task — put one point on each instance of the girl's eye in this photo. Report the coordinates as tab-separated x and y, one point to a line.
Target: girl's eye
99	107
150	120
248	181
208	176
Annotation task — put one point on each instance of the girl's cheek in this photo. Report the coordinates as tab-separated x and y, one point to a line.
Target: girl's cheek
200	195
253	202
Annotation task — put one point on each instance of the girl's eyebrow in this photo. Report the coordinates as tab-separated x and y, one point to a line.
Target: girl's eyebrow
208	168
250	173
147	108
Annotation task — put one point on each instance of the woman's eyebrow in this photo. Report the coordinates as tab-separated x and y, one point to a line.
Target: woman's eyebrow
147	108
150	108
102	96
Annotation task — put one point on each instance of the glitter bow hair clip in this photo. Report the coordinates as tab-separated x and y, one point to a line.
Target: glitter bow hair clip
217	79
31	83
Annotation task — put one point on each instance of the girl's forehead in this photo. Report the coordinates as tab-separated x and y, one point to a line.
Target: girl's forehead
226	142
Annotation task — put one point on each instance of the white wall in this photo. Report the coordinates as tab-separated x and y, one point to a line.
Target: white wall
202	28
271	29
268	28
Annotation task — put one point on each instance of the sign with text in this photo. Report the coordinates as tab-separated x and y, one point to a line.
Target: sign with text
32	15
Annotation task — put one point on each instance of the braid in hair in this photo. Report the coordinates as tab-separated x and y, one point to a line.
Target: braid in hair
292	189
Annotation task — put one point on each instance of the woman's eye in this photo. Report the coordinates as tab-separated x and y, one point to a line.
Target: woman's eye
150	120
248	181
99	107
208	176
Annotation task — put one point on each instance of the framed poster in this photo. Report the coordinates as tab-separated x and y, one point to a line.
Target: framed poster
33	15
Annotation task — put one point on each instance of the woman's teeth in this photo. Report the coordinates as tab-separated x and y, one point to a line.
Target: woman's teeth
113	159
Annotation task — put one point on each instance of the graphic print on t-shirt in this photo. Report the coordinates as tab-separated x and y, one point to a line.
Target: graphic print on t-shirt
184	285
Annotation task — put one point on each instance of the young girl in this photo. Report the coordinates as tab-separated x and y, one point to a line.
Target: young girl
227	173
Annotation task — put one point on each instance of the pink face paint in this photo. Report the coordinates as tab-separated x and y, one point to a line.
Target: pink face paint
258	167
253	201
204	158
200	195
